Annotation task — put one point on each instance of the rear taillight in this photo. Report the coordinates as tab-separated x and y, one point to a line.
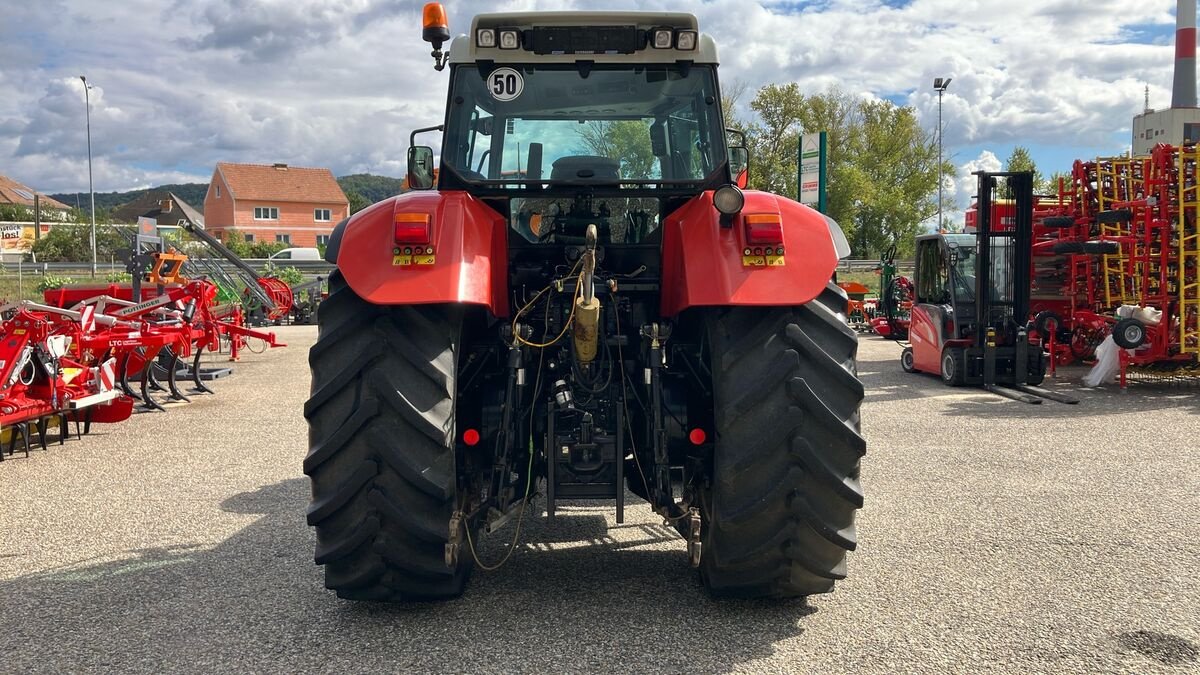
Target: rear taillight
412	228
763	229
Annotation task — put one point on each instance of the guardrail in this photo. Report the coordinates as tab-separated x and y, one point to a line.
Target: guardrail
869	265
320	266
102	268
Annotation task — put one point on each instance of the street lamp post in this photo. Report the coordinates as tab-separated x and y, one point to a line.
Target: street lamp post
88	103
940	85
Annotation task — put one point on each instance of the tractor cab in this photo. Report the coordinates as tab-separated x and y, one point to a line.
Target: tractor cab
561	121
972	295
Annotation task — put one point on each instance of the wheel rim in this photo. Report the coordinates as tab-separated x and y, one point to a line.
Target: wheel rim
1133	334
948	366
906	360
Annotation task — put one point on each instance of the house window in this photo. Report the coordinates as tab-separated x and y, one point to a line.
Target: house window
321	215
266	213
249	238
218	191
322	240
283	238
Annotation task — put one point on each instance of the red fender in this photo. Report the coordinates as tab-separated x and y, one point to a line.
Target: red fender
702	261
470	249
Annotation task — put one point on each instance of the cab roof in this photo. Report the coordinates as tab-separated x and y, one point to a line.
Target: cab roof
632	30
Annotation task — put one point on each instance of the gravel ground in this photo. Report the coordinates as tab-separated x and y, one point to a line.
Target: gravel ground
997	536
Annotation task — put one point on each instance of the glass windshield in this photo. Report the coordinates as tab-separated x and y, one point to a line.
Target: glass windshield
630	124
963	273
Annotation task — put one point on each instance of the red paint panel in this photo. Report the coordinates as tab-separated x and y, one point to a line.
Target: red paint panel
702	261
1185	43
470	245
925	336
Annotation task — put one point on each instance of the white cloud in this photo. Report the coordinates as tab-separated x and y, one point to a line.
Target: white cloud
340	83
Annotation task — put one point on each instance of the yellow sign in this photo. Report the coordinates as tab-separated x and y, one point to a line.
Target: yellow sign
401	260
422	260
774	261
754	261
15	237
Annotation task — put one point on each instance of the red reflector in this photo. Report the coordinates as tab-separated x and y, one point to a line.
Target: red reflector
763	228
471	437
412	228
697	436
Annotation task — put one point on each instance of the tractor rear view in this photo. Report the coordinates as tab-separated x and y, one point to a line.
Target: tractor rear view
583	301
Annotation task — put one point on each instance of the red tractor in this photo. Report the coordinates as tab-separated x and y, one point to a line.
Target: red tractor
583	301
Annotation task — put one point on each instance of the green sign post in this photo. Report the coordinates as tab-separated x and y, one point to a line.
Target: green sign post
812	170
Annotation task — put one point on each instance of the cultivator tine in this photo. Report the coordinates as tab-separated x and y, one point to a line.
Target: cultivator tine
22	429
172	383
147	399
151	376
64	429
200	386
87	422
42	425
124	379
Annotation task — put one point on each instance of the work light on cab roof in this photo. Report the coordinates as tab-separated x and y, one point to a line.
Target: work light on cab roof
549	33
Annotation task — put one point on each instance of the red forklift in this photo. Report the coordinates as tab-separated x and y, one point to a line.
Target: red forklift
971	309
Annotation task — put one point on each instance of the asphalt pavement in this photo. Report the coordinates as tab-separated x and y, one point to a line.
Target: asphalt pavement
997	536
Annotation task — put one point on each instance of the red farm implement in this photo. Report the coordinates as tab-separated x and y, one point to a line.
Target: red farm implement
73	357
1117	253
1152	283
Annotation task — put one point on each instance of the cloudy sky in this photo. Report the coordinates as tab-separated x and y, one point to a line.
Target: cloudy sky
181	84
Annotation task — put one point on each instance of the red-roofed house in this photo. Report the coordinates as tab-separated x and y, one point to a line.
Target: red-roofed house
293	205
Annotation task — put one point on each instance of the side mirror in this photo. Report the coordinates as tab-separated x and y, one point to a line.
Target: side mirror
420	167
739	157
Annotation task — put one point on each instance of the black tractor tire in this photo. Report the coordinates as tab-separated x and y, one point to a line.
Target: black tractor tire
1129	333
1101	247
1068	247
1047	323
1058	222
906	360
1117	216
778	516
1035	370
954	366
381	448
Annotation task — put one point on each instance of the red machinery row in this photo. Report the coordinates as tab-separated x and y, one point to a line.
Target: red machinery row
73	357
1117	253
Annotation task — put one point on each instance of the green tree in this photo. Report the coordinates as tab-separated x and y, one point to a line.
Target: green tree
898	164
624	140
731	95
235	241
1021	160
15	213
357	201
1050	185
881	167
72	243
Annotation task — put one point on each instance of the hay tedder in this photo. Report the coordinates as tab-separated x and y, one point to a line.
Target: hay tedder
75	357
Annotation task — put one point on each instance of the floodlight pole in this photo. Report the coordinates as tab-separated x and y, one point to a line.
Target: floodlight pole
940	85
88	103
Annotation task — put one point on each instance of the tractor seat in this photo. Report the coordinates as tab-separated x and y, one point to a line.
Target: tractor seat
588	168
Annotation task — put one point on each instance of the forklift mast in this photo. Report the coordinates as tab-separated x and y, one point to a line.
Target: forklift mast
1003	255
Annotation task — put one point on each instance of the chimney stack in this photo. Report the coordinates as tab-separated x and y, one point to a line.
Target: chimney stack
1183	93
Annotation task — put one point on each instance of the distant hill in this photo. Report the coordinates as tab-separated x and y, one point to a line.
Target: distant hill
372	188
192	193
